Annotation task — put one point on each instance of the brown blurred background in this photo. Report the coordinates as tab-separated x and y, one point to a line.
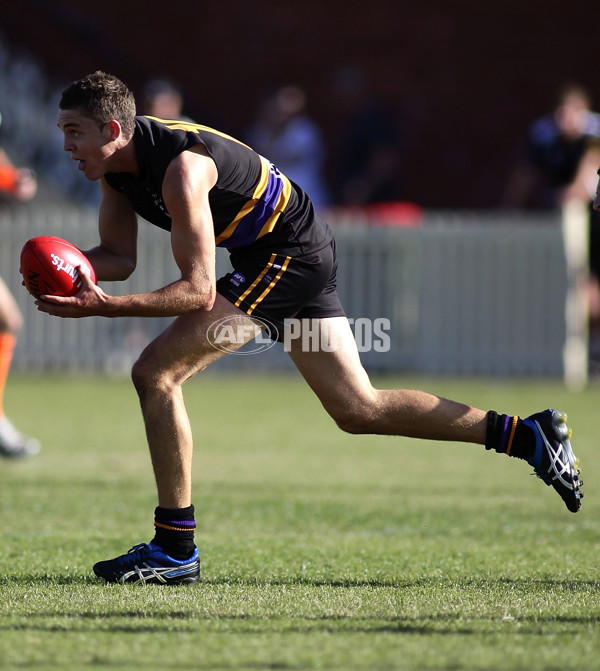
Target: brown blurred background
464	78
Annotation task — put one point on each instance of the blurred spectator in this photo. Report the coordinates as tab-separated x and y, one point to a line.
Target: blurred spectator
162	99
29	135
559	160
283	132
15	184
368	163
559	163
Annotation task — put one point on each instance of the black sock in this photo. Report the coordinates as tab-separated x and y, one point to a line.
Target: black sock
175	531
508	435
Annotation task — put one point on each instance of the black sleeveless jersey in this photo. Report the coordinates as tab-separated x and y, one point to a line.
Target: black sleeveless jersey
252	203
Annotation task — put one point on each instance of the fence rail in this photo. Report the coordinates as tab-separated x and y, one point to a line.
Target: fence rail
465	293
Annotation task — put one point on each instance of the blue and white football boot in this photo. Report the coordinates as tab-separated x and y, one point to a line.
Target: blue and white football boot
553	460
147	563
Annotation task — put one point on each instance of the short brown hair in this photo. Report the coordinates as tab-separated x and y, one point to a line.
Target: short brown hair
102	97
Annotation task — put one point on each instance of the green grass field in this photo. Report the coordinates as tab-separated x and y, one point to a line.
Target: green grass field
320	550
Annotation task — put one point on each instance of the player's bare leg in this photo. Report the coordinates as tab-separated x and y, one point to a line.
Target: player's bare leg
343	386
13	444
11	320
180	352
336	375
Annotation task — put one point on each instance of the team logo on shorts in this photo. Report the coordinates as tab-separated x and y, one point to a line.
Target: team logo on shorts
242	335
237	279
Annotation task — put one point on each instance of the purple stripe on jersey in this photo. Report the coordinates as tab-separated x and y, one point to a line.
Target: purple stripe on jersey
249	227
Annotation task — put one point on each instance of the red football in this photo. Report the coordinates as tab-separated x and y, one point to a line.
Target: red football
49	266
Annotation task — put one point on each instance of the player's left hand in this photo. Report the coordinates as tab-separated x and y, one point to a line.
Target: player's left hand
89	301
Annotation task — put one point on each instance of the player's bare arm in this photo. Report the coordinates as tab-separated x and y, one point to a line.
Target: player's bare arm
115	257
187	183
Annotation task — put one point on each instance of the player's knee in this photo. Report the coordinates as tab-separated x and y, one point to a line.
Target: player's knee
139	376
146	378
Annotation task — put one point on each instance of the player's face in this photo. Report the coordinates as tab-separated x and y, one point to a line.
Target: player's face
88	144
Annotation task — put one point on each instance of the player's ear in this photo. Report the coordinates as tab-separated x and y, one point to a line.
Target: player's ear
114	129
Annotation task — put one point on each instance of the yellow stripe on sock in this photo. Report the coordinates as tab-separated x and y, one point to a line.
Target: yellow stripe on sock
515	419
170	528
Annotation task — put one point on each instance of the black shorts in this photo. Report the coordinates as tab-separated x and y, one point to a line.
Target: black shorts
275	287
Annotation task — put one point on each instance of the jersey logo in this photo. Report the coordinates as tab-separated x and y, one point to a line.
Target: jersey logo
237	278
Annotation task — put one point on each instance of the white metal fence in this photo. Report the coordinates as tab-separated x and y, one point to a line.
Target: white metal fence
465	293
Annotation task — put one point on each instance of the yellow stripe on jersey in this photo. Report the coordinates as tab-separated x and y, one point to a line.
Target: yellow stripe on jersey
284	197
260	213
258	192
191	127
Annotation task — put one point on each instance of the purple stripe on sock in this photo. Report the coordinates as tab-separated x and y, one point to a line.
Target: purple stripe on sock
505	433
181	523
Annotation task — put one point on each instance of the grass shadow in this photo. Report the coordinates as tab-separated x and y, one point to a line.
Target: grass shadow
131	622
49	580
